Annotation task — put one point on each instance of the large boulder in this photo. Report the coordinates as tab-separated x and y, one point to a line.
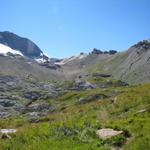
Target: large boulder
81	84
96	51
112	52
108	133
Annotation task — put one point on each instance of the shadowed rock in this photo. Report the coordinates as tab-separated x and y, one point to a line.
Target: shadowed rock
92	98
5	133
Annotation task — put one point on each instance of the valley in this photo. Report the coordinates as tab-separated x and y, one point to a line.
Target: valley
62	103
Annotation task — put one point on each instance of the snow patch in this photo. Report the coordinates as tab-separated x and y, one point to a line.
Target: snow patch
5	50
41	60
67	60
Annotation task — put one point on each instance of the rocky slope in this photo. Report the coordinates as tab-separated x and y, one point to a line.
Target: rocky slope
131	66
21	57
26	82
73	103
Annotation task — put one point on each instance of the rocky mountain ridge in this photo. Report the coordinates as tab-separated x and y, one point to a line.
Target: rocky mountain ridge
131	66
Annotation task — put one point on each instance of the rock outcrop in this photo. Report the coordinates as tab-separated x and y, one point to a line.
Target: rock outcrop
98	52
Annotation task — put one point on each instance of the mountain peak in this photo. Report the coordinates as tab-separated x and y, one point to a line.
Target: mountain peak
24	45
6	32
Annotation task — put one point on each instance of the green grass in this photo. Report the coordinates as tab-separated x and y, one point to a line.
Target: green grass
74	126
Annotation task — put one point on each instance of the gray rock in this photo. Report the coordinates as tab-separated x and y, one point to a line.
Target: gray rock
4	114
19	107
96	51
40	107
81	84
33	114
32	95
143	111
112	52
7	82
7	102
108	133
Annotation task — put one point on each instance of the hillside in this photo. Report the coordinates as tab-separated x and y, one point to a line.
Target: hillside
74	124
73	103
131	66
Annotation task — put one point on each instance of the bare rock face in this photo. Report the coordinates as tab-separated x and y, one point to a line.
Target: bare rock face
143	45
108	133
81	84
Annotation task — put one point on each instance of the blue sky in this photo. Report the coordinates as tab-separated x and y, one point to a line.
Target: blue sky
63	28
